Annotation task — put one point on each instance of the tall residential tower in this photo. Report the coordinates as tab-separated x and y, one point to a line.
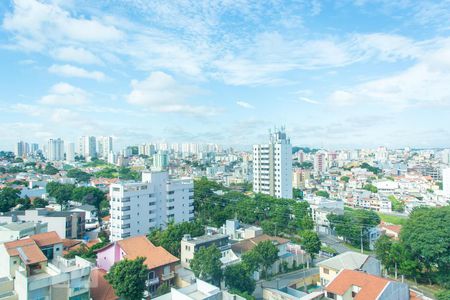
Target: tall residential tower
272	166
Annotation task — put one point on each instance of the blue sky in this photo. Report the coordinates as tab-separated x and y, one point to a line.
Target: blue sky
337	74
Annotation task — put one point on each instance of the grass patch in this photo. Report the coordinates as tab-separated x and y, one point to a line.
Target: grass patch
397	220
358	249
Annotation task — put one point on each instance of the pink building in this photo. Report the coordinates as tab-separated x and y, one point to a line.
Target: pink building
160	263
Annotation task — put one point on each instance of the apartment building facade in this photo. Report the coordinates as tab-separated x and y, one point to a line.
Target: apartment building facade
138	207
272	166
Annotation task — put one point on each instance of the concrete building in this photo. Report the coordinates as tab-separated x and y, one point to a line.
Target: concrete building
320	162
137	207
189	246
87	146
55	149
70	152
17	230
161	160
22	149
272	166
68	225
33	268
330	268
199	290
104	146
350	284
160	263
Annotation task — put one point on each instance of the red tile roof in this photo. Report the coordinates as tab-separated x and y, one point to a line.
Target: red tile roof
370	286
140	246
27	250
46	238
100	287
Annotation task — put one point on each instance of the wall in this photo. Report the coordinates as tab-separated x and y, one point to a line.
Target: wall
108	256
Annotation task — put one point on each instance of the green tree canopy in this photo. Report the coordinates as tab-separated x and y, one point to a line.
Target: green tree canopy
206	264
238	278
9	198
268	254
79	175
310	242
128	277
61	192
40	203
323	194
88	195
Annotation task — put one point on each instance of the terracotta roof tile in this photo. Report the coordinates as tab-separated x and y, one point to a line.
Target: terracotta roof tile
370	286
46	238
249	244
27	250
140	246
100	287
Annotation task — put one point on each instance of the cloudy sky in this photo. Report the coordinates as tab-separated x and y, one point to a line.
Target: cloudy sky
337	73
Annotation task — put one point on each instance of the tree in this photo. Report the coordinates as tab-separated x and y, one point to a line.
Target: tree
206	264
8	198
128	277
371	188
345	179
323	194
396	204
40	203
163	289
297	193
443	295
311	242
61	192
238	278
251	261
268	254
50	169
79	175
88	195
170	238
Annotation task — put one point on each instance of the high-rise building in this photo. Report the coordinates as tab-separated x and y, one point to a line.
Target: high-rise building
161	160
446	181
320	162
139	207
87	146
104	146
70	152
55	149
272	166
34	148
22	149
445	156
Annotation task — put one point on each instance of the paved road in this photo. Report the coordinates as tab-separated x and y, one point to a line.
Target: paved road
283	280
334	243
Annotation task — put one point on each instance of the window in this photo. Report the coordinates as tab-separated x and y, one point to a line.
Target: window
331	295
326	271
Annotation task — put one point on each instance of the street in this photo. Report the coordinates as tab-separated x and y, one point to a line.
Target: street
334	243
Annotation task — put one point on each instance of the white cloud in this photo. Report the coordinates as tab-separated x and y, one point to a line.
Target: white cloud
72	71
162	93
308	100
423	84
36	23
78	55
65	94
245	104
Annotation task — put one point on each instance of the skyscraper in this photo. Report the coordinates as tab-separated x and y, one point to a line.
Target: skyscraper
22	149
104	146
70	152
55	149
87	146
272	166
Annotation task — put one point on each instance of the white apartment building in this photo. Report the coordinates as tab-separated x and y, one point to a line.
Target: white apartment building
70	152
320	162
272	166
87	146
55	150
22	149
138	207
104	146
33	268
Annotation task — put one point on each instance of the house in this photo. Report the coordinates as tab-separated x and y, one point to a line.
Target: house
350	260
289	293
68	225
357	285
286	254
160	263
238	231
18	230
391	230
91	215
33	268
99	287
199	290
189	246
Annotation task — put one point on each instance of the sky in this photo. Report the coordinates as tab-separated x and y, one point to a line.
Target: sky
338	74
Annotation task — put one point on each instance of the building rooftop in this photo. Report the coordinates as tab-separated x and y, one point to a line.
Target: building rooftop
86	207
27	250
17	226
207	238
370	286
347	260
249	244
46	238
100	287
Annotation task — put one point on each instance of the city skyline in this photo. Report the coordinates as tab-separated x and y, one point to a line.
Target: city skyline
350	74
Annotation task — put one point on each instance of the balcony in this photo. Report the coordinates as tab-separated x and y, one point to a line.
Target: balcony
168	276
150	282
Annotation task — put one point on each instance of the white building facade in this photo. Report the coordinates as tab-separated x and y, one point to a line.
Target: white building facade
272	166
138	207
55	150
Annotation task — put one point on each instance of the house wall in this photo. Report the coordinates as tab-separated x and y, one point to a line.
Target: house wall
108	256
395	291
372	266
326	278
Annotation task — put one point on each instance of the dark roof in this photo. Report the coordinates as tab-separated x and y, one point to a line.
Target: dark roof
249	244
